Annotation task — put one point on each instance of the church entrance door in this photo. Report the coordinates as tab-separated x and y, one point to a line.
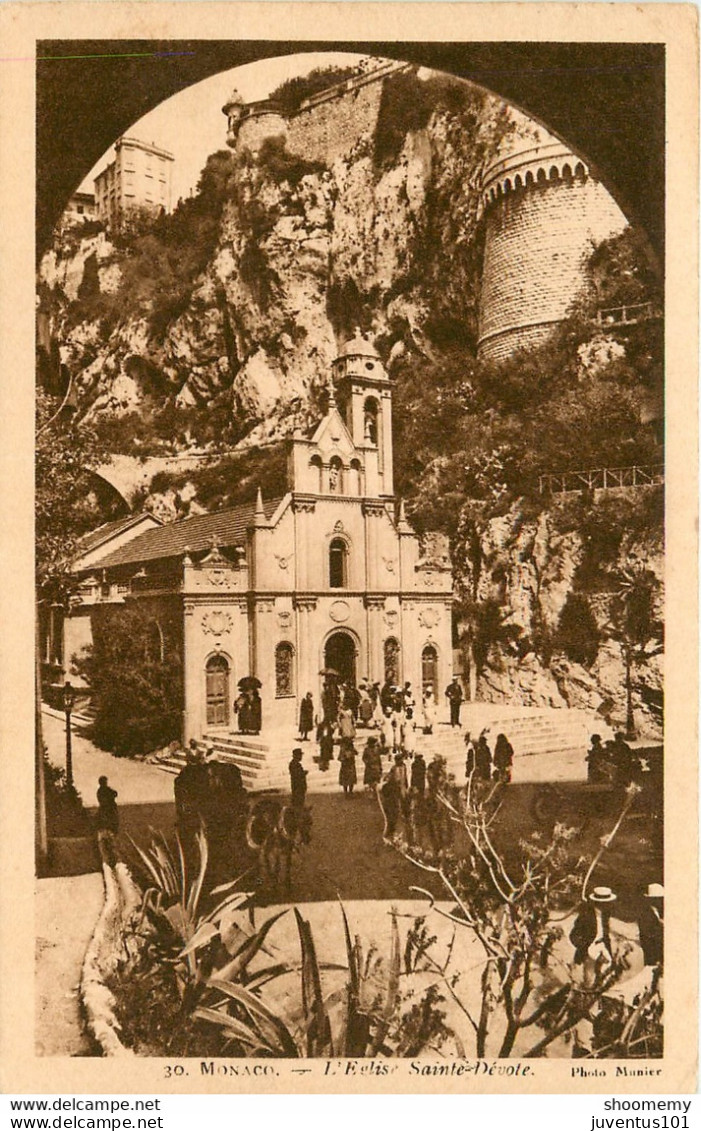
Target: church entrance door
217	673
339	654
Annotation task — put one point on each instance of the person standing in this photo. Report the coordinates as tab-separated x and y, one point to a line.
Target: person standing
470	756
596	760
372	760
651	926
429	708
306	716
107	820
418	774
256	711
347	775
483	758
591	932
346	726
298	779
454	696
503	758
324	735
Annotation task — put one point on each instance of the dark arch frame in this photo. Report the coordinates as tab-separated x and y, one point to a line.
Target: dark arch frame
606	101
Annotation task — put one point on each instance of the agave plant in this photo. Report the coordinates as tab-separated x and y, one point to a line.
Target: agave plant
196	943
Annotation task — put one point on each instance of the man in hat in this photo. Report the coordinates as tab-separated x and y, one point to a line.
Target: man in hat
651	925
453	693
590	934
298	779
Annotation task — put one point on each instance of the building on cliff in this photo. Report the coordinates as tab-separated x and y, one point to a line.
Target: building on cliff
544	213
139	177
328	576
325	126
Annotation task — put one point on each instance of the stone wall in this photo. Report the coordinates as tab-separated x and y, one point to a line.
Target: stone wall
329	130
537	241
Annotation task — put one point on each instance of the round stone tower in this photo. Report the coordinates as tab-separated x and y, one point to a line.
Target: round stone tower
250	123
544	211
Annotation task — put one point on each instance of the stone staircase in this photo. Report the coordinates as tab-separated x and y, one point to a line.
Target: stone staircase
549	745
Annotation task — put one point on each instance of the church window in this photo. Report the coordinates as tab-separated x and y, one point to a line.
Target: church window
370	421
338	564
336	476
355	482
315	464
284	670
392	660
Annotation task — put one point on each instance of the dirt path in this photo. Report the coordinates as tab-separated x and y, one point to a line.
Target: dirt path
61	941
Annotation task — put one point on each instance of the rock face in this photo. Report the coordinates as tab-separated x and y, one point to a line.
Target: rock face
528	571
311	240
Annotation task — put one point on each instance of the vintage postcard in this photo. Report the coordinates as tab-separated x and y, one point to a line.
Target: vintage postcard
349	403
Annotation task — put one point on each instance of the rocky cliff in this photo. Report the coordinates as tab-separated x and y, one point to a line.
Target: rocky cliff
211	332
304	249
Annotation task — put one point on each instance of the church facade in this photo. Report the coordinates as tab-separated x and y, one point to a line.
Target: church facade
328	577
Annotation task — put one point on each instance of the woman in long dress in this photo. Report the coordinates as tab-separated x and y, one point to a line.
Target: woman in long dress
429	706
347	775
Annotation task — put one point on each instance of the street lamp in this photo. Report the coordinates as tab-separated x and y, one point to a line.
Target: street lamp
68	701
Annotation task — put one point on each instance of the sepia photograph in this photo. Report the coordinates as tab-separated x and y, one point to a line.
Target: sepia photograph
350	557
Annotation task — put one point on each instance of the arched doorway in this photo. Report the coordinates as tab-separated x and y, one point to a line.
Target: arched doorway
217	674
340	655
429	669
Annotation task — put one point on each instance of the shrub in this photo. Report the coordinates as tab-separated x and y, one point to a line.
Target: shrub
577	631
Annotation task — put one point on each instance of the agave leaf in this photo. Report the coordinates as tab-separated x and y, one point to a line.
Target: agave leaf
268	974
204	934
260	1013
352	965
247	1035
250	948
151	868
230	902
231	884
392	995
193	898
317	1023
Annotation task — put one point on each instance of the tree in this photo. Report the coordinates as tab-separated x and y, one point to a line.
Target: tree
65	506
135	674
634	623
514	910
577	631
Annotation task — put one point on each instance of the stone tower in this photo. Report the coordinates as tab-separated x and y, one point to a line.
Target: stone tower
544	211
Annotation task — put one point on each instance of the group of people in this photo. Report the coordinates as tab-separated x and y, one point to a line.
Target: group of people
249	711
591	932
482	765
388	708
612	762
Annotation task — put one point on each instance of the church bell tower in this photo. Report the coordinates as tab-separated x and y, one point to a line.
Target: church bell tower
364	394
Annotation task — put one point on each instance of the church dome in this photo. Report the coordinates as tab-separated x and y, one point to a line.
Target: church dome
359	346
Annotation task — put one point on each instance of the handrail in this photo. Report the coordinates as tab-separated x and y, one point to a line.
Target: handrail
601	479
627	315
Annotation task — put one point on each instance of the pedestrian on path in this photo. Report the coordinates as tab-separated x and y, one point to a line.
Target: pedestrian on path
347	775
306	717
107	821
298	779
454	696
372	760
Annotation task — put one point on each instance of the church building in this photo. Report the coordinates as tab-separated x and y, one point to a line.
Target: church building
329	576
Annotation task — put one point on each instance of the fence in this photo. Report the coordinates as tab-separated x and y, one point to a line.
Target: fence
601	479
627	315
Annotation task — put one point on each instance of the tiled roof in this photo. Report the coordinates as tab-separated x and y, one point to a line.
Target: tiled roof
171	540
105	532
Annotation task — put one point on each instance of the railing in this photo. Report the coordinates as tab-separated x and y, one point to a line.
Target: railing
627	315
601	479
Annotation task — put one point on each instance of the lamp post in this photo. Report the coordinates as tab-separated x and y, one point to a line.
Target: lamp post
68	701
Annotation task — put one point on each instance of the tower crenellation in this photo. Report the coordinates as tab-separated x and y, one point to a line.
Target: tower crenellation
544	210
